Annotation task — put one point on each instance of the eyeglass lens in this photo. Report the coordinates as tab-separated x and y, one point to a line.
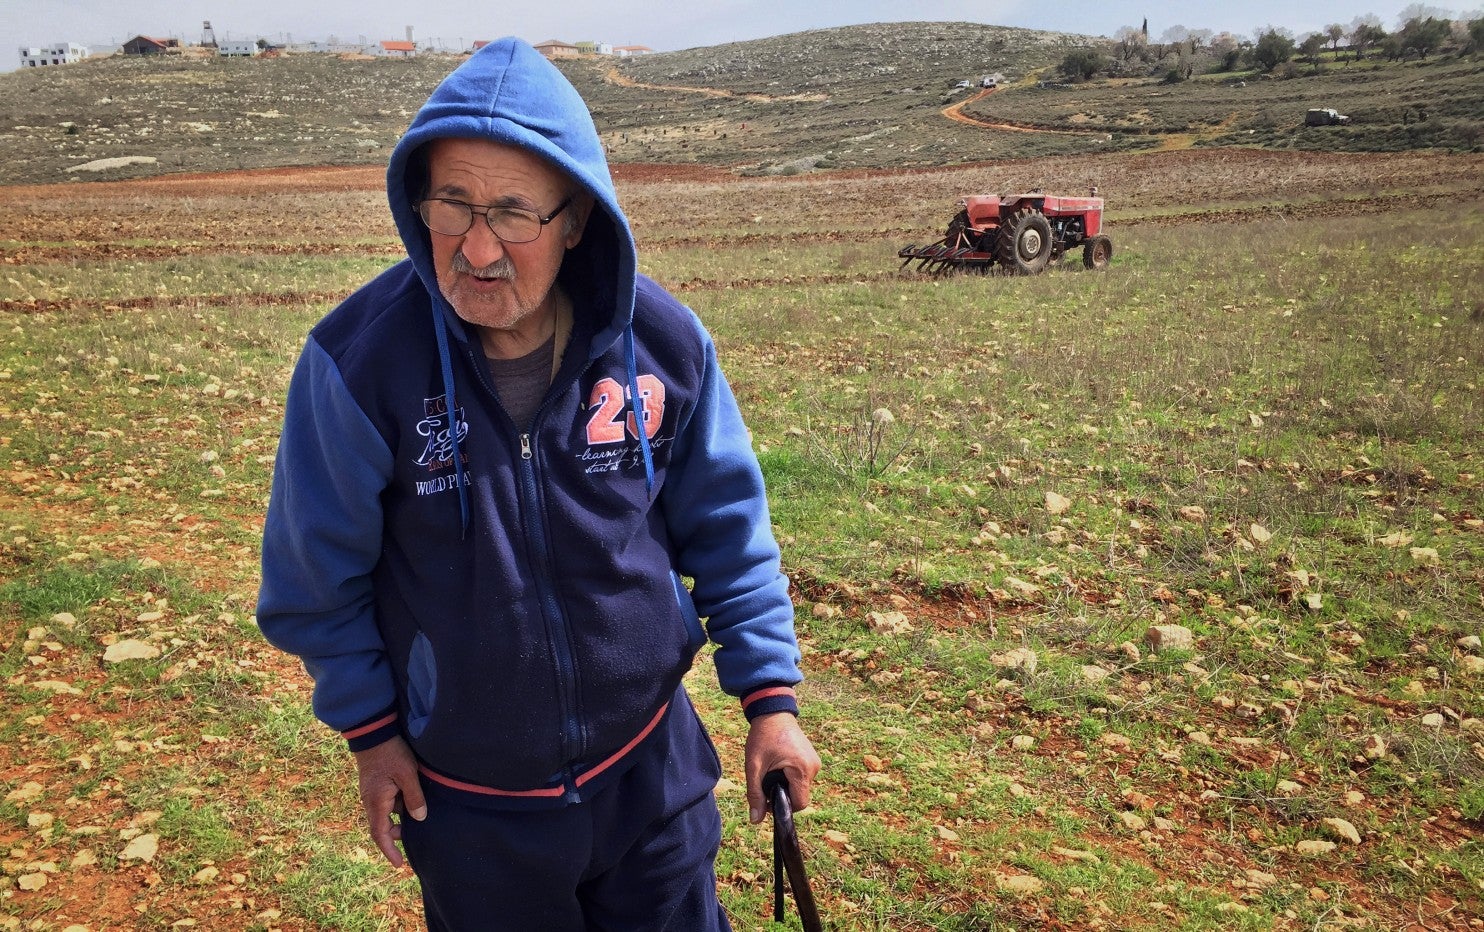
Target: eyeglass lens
454	218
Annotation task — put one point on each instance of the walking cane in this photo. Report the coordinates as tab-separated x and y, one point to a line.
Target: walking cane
786	855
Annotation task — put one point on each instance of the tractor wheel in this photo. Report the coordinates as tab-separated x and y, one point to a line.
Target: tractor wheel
1025	243
1097	252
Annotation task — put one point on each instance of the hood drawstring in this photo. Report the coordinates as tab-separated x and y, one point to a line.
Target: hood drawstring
637	409
445	361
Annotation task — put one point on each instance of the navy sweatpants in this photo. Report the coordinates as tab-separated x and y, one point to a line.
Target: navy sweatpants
638	857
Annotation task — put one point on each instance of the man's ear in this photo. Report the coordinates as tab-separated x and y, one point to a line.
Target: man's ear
581	210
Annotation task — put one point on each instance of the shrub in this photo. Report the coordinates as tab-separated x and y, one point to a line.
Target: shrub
1273	48
1082	64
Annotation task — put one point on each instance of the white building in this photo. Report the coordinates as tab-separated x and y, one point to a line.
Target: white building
244	49
63	53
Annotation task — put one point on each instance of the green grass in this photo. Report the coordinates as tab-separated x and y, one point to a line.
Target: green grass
1254	427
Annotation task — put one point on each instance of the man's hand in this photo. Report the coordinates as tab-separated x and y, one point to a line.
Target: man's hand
388	777
776	742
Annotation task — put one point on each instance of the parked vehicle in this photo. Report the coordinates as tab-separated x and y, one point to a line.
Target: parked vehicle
1325	116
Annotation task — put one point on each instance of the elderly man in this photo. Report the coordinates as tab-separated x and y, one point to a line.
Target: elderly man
500	461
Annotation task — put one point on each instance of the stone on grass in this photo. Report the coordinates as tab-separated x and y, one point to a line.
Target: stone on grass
1471	664
1314	847
31	881
890	623
1017	883
1341	829
25	792
141	848
1161	638
130	650
1086	857
1021	659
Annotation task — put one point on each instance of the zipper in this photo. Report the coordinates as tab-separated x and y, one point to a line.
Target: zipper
551	610
558	630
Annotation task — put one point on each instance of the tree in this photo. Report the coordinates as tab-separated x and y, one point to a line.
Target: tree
1082	64
1476	34
1310	48
1227	49
1424	35
1365	36
1273	48
1419	11
1174	35
1335	32
1130	43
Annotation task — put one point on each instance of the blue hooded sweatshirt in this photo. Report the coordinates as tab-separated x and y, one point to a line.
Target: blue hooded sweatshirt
512	603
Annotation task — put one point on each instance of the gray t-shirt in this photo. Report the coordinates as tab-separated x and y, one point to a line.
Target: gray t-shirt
521	383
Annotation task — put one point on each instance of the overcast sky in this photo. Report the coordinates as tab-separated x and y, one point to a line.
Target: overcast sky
101	23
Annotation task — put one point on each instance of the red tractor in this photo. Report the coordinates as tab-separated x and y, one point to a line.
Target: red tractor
1020	233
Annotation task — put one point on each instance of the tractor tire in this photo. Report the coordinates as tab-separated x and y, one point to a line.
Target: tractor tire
1025	242
1097	252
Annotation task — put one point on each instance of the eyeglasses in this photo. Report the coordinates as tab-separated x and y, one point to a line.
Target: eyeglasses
511	224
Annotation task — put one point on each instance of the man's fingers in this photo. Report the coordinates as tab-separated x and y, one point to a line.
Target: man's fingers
389	781
799	784
754	799
386	834
413	802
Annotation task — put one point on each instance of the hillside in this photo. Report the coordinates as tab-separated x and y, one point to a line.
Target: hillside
878	96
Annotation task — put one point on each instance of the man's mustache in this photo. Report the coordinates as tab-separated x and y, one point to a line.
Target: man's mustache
500	268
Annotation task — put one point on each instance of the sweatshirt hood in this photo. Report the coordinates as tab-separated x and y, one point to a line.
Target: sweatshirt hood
508	93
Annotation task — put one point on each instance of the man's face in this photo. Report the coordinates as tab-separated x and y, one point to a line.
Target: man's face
492	284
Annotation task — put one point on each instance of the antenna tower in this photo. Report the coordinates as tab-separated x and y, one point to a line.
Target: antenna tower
208	36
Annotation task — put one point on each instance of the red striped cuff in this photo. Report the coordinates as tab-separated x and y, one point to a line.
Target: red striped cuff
368	735
769	699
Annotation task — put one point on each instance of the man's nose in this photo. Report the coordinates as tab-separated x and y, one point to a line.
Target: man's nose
481	246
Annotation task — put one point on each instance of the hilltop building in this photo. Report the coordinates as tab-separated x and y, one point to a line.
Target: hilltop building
555	48
403	49
148	45
627	51
233	48
62	53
